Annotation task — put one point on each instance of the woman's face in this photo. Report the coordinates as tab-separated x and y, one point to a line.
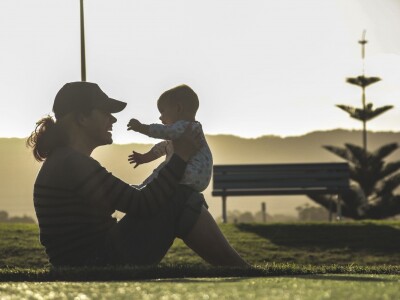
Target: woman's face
98	127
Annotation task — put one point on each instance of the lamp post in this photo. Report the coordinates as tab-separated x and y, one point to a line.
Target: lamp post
83	58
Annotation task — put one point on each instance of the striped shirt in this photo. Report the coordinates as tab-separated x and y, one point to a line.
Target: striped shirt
74	198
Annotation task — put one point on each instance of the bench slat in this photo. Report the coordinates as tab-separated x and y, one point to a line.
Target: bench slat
279	184
262	192
281	177
281	167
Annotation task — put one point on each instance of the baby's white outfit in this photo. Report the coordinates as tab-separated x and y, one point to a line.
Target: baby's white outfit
199	168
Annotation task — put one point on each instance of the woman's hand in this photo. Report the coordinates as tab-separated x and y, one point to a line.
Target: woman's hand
188	143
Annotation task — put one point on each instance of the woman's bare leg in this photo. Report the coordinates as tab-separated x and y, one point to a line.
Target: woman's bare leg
207	240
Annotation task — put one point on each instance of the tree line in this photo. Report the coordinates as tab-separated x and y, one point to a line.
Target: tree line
5	218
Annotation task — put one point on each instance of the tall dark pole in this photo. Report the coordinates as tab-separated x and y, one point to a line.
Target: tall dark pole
362	42
83	58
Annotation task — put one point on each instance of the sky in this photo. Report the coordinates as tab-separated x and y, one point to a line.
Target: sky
259	67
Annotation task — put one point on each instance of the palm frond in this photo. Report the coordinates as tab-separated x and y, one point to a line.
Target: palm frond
349	109
359	156
390	168
355	113
371	113
389	185
384	151
351	205
364	114
341	152
362	81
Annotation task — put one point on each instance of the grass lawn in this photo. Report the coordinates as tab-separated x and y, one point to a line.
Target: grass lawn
294	287
358	243
354	260
275	249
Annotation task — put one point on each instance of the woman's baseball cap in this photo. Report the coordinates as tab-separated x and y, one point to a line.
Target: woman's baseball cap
83	96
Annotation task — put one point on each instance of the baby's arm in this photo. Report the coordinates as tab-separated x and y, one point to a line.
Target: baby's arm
135	125
139	158
169	132
154	153
160	131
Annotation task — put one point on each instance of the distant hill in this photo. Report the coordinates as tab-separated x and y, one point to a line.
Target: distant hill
18	168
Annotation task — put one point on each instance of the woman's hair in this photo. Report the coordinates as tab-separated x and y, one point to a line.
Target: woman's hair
47	136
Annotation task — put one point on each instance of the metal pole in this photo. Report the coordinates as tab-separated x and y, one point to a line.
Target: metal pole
264	212
224	217
339	209
83	58
362	42
364	121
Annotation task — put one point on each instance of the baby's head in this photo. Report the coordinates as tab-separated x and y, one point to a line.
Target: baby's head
178	103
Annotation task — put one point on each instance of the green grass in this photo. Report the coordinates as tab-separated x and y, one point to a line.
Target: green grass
182	271
275	249
20	247
362	243
294	287
357	260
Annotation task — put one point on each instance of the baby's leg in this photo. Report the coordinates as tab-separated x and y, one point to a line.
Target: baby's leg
207	240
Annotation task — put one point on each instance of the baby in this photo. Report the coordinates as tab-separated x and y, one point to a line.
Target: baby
178	107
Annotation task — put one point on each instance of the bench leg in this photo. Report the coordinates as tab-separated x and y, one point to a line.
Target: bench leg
224	217
339	209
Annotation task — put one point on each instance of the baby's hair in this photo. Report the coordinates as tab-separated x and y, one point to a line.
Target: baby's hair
182	94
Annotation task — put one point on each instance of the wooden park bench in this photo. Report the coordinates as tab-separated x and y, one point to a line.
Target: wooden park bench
280	179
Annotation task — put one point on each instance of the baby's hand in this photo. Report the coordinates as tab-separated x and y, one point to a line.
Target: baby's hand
136	158
134	125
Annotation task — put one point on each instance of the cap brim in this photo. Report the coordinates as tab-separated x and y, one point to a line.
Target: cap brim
113	106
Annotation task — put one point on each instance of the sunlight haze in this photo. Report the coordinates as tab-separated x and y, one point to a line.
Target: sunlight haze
259	67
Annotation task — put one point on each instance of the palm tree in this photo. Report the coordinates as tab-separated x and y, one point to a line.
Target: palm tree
373	183
366	112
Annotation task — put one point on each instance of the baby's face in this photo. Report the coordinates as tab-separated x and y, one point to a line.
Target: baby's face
169	113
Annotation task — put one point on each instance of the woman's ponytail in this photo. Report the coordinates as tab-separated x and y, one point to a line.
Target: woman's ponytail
46	137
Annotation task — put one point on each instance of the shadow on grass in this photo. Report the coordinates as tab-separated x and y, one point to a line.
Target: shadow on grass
347	278
202	280
182	273
363	237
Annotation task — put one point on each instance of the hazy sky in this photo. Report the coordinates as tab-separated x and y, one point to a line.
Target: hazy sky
259	67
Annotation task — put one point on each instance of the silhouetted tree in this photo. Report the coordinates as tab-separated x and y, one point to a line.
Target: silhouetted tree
237	216
366	112
374	182
4	217
311	213
240	217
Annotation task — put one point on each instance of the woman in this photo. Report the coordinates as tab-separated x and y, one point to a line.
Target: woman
74	196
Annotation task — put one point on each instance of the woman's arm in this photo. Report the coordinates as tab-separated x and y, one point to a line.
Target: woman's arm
95	184
101	189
